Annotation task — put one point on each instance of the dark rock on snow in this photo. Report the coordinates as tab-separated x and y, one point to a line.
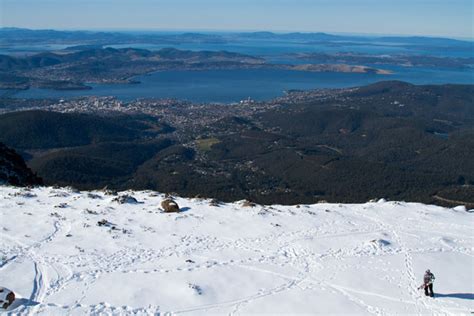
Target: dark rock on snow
13	169
170	206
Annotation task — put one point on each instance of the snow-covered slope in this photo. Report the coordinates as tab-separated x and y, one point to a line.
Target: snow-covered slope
229	259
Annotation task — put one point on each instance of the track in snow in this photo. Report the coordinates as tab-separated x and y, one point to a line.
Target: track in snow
365	258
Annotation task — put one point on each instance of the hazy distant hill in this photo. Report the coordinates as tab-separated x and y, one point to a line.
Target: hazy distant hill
19	35
114	55
23	36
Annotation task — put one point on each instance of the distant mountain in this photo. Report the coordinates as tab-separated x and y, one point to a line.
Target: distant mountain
9	63
13	169
420	40
325	37
18	35
295	36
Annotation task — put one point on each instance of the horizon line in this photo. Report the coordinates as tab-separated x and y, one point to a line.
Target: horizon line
205	30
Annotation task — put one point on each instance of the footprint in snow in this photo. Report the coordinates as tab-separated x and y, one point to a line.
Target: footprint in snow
196	288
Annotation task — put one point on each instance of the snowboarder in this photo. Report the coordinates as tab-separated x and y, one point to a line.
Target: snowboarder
428	280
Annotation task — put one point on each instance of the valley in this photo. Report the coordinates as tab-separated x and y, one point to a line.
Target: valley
391	139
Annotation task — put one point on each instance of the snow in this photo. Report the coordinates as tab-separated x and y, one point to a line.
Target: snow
229	259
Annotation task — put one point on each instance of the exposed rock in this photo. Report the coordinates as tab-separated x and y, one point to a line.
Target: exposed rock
247	203
123	199
13	169
25	193
170	206
93	196
6	297
88	211
106	223
72	189
380	243
196	288
214	202
107	191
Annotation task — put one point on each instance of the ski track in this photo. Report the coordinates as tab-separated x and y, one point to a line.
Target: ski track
239	302
56	273
418	298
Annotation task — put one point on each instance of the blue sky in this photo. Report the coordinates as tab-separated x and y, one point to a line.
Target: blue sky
451	18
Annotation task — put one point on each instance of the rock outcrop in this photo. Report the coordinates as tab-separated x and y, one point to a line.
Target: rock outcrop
13	169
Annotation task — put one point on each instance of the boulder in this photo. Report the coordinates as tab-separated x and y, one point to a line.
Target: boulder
6	297
247	203
124	199
169	206
214	202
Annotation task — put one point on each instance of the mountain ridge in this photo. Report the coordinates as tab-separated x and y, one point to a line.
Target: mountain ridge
222	36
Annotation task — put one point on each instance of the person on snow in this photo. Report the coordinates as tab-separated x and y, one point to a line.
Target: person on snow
428	280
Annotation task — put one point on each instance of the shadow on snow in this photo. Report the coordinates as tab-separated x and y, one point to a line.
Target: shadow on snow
21	302
465	296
